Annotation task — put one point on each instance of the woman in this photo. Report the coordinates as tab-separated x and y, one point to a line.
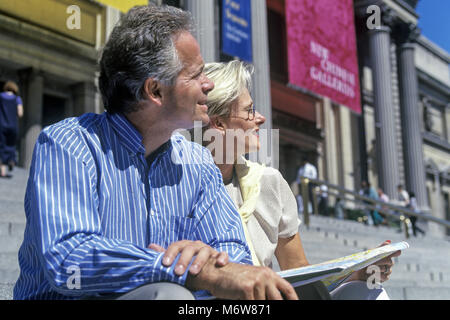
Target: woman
274	222
10	109
262	196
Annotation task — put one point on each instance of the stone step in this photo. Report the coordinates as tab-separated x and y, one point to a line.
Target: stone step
395	293
12	193
342	233
393	233
12	228
9	206
368	231
401	264
10	244
9	261
355	226
9	276
358	242
413	283
427	293
437	278
6	291
12	216
345	246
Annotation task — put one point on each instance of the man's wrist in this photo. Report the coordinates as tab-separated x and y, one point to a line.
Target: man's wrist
205	279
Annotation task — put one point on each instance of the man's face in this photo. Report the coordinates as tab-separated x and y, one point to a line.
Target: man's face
187	98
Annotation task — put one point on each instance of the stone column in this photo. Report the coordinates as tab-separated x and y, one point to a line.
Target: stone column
204	13
261	78
34	83
345	118
83	98
331	152
438	210
379	43
411	125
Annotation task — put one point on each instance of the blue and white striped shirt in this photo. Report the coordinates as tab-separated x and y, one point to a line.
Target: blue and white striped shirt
93	205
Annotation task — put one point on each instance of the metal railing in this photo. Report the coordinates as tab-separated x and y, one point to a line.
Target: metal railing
389	209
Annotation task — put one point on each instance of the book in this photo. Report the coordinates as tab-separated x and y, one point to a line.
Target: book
333	272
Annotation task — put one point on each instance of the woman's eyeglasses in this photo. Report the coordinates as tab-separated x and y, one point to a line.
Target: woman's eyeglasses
250	116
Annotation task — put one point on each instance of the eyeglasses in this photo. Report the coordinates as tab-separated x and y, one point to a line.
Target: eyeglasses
250	116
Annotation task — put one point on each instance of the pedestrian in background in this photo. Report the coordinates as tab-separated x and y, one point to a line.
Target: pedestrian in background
309	171
414	207
384	198
339	208
11	108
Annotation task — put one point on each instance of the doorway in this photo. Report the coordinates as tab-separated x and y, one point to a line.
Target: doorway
53	109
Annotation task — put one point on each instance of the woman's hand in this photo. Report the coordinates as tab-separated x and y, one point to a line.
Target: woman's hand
385	266
187	250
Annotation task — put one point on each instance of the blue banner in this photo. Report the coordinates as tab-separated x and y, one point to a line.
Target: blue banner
237	29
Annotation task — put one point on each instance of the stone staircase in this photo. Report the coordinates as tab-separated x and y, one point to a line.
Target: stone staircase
12	226
421	272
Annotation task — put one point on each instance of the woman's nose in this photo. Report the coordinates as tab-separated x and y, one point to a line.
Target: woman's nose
260	118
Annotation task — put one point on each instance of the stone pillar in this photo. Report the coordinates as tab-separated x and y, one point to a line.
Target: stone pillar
261	78
83	98
112	17
345	118
438	208
379	43
331	152
204	13
411	125
34	83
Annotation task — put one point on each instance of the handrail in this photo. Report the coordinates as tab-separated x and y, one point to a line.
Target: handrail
377	205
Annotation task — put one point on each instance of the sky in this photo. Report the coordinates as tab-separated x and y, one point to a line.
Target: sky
434	21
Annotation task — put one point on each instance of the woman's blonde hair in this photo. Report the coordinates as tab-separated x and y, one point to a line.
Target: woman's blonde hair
230	79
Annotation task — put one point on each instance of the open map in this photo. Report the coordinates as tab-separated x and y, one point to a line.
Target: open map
333	272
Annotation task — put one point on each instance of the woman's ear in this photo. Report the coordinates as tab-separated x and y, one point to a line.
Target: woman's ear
217	123
153	91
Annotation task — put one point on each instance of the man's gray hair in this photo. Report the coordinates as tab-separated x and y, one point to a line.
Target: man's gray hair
141	46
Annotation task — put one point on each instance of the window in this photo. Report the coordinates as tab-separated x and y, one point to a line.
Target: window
277	46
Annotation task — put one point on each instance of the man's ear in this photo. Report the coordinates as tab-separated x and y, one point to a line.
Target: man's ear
153	91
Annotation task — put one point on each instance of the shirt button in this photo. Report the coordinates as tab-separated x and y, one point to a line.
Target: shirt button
152	212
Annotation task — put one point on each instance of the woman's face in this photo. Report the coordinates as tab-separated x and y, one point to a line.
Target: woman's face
242	126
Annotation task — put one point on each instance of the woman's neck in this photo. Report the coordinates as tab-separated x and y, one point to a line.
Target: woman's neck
227	172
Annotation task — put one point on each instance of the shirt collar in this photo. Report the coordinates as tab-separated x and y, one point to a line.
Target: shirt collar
127	133
161	149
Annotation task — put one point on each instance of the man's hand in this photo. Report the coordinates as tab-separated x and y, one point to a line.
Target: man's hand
244	282
188	249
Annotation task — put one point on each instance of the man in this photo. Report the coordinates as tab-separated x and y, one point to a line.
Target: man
403	196
114	208
307	170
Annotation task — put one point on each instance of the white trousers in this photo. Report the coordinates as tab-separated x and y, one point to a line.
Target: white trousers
358	290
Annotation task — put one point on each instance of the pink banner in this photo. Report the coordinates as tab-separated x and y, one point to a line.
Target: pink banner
322	53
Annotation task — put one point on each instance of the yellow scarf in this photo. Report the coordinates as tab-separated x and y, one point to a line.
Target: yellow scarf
249	177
